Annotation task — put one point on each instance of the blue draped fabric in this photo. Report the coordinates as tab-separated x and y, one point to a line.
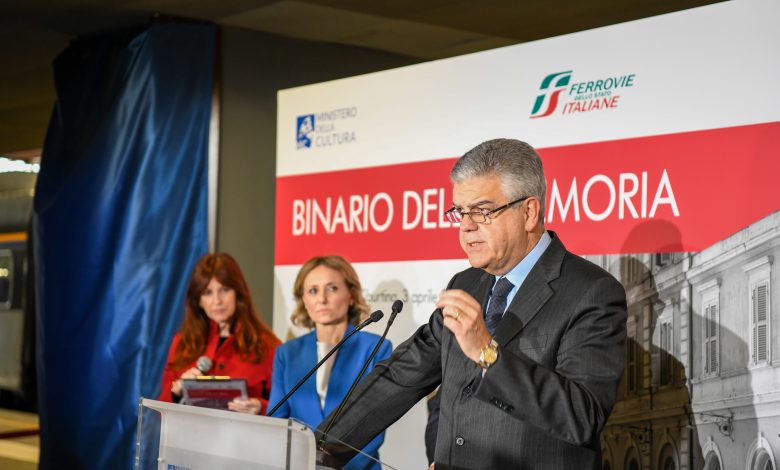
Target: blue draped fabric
120	218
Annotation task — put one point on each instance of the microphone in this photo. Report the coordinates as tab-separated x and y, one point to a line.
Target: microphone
398	305
374	317
203	365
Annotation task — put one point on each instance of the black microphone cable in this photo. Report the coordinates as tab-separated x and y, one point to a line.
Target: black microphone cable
375	317
397	307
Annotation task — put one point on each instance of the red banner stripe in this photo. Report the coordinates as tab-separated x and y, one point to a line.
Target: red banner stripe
678	192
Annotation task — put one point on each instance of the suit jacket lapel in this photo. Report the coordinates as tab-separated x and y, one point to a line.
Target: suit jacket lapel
308	393
482	292
341	374
534	292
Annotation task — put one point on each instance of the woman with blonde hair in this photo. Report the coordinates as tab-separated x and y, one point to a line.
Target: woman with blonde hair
221	323
329	300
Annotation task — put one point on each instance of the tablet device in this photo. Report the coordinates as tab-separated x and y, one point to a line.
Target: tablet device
212	391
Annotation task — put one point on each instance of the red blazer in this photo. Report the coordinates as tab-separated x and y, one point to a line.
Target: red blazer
227	361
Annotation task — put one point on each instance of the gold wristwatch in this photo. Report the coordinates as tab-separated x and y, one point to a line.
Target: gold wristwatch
488	355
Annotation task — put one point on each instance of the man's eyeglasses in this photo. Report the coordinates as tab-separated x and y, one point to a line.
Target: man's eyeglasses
478	216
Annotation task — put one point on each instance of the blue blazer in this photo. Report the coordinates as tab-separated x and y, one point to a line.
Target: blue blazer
293	359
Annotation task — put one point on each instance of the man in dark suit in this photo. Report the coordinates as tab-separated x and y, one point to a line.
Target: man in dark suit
527	344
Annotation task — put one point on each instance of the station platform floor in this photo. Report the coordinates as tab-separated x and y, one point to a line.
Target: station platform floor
19	440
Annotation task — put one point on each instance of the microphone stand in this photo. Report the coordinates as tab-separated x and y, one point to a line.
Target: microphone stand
397	306
376	316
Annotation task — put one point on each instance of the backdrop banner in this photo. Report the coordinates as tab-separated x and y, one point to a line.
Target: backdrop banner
120	217
659	139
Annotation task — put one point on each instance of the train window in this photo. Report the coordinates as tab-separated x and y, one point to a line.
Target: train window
6	279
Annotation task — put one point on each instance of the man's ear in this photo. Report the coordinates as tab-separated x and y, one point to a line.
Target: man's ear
533	213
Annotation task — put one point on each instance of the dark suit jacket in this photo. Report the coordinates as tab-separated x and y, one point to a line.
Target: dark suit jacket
544	402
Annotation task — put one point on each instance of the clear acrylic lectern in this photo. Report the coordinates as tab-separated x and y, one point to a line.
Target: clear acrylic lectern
180	437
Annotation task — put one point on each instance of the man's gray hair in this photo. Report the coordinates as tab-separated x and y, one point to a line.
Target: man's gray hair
516	163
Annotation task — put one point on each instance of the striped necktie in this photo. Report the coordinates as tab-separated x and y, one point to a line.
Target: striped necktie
497	304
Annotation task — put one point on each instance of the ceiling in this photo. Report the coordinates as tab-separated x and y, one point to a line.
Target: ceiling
33	32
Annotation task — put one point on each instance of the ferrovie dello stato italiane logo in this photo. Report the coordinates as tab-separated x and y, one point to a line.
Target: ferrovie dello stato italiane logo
561	95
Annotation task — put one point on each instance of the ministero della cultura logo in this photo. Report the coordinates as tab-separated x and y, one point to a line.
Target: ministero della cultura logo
326	129
304	129
562	95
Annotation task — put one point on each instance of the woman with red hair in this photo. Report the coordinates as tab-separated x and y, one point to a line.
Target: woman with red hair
221	323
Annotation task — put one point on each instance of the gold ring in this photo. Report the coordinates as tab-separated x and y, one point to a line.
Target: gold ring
457	314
